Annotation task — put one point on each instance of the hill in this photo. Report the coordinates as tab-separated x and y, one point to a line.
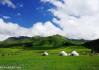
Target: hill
94	45
54	41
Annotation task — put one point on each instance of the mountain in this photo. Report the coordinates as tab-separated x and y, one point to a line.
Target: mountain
94	45
17	38
54	41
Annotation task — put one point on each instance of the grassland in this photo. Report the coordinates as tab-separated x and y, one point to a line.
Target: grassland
26	59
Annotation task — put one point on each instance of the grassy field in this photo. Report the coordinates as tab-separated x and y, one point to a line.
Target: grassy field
20	59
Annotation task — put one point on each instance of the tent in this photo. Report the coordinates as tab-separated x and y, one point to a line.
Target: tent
45	54
63	53
74	53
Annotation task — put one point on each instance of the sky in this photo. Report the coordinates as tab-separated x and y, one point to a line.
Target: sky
74	19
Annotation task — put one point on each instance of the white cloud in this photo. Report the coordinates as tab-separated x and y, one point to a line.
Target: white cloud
46	29
21	5
18	14
6	17
9	3
40	8
14	30
78	18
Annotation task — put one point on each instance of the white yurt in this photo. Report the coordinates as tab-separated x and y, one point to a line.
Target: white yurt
74	53
63	53
45	53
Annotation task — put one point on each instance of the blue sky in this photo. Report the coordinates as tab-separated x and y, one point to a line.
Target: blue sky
27	12
74	19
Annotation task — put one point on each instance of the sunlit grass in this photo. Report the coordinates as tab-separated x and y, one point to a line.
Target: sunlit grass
33	59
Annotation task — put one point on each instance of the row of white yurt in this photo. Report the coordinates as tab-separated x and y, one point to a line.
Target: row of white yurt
63	53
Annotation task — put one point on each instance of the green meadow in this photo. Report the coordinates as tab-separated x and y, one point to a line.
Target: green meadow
25	53
29	59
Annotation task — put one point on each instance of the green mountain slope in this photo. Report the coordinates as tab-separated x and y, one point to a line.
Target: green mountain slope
94	45
54	41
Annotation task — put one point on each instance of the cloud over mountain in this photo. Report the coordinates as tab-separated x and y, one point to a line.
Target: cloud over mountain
78	18
14	30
